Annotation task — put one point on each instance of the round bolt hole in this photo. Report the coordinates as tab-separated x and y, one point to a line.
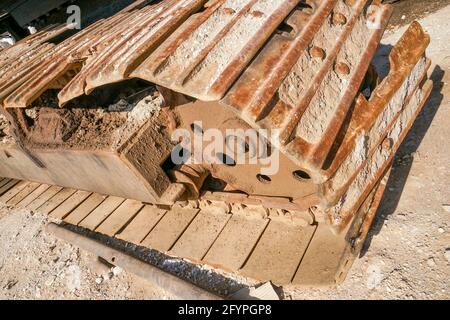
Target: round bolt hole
317	52
301	175
339	19
226	159
342	68
263	178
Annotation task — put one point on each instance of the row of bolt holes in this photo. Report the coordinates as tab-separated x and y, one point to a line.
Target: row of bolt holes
299	175
229	161
317	52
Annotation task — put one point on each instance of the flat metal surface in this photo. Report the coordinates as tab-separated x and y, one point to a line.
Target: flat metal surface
241	242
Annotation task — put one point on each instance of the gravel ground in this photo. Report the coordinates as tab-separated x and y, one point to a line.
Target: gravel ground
34	265
407	255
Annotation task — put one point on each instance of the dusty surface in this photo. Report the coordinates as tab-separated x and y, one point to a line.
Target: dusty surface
5	136
407	255
34	265
92	123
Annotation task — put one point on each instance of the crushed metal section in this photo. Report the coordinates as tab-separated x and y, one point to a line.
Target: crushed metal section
107	51
20	60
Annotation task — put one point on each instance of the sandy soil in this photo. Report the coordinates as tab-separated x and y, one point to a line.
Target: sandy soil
407	255
34	265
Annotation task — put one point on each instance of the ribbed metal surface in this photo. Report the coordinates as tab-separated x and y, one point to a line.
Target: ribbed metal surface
296	66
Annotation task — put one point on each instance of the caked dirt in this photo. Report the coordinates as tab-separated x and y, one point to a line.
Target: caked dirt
5	135
406	256
85	125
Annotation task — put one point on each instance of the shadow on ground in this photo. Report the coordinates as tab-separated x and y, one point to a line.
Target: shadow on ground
405	157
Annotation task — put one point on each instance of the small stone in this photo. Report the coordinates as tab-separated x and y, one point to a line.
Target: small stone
441	230
38	293
107	276
431	263
99	280
447	254
73	256
257	14
10	284
403	17
120	106
446	207
374	276
116	271
50	281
